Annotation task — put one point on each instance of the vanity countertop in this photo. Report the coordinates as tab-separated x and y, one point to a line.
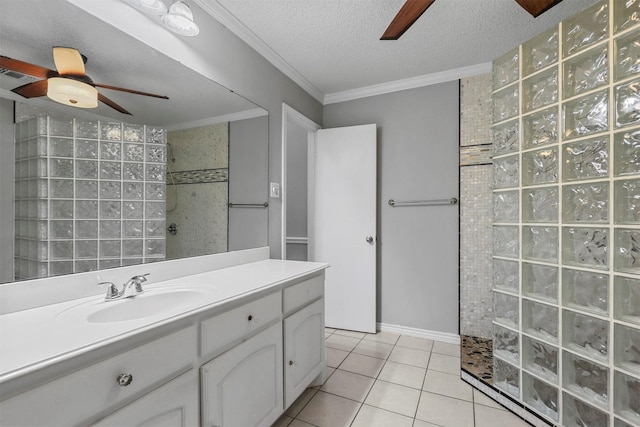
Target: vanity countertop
40	337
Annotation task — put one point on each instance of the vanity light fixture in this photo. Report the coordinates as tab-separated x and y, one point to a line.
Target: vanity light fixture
180	19
152	7
72	92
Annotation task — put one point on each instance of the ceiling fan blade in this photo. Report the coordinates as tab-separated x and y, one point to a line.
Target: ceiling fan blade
26	68
137	92
537	7
112	104
408	14
32	90
68	61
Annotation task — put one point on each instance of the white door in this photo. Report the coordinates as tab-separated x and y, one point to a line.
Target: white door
345	224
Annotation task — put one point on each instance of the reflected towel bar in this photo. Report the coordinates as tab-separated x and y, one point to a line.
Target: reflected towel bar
451	201
248	205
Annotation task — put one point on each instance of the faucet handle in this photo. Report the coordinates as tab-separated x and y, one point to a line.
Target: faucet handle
112	290
138	281
141	278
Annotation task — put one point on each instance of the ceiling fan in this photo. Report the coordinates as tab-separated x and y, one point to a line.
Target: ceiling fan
413	9
68	84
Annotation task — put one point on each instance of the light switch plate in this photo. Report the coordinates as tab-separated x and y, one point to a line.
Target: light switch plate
275	190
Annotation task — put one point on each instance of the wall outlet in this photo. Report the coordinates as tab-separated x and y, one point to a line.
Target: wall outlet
275	190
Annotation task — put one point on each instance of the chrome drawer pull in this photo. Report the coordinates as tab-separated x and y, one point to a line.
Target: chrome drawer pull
124	379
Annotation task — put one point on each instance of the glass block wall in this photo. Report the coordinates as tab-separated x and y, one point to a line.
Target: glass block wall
567	219
89	195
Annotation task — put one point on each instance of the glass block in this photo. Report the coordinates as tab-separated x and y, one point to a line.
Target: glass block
540	90
540	282
86	248
133	152
132	247
58	268
585	29
506	241
505	344
626	350
540	243
627	104
585	247
86	209
626	14
61	209
154	210
60	147
627	201
110	209
111	131
110	190
156	135
61	229
505	104
85	265
154	228
155	191
505	69
506	377
62	168
505	309
59	126
619	423
155	153
132	261
505	138
576	413
38	168
585	335
586	379
627	50
133	133
110	150
86	189
585	72
586	115
585	290
540	128
626	400
626	299
586	159
110	170
110	229
540	205
86	229
155	172
627	153
586	203
627	250
540	359
109	248
505	275
132	210
87	129
133	190
108	263
505	172
61	188
505	206
540	167
86	149
132	228
154	247
86	169
540	320
540	51
540	395
133	171
61	249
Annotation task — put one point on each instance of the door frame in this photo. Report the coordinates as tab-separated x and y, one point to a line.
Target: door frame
292	116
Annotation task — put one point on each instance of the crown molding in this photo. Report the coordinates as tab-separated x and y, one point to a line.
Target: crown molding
410	83
242	115
233	24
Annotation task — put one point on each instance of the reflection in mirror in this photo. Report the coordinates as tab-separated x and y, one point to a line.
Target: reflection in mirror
179	161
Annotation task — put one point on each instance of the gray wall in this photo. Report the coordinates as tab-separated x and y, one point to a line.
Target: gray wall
417	159
7	157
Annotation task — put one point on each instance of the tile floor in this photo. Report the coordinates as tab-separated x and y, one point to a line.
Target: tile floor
391	380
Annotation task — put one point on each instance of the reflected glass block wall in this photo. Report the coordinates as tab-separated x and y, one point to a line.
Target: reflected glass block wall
89	195
566	159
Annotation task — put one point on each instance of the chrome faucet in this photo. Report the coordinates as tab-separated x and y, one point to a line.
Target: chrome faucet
130	289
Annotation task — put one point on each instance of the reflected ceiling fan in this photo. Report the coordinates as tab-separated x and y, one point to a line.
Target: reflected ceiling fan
413	9
68	84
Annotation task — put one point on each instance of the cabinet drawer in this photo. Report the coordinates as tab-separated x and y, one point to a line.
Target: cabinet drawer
80	396
238	323
301	294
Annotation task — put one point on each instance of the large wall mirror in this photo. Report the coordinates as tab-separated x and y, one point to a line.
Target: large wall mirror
209	144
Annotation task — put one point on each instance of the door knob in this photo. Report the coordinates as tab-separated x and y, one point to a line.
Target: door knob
370	239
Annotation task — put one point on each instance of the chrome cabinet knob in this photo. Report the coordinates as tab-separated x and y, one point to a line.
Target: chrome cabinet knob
124	379
370	239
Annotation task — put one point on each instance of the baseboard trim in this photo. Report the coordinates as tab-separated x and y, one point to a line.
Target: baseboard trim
420	333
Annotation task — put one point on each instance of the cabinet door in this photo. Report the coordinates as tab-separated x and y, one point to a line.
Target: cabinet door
243	387
174	404
304	349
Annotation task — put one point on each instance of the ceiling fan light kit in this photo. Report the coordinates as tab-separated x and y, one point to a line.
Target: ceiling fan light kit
72	92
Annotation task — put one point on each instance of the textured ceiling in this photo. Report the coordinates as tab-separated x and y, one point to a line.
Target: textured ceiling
335	44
